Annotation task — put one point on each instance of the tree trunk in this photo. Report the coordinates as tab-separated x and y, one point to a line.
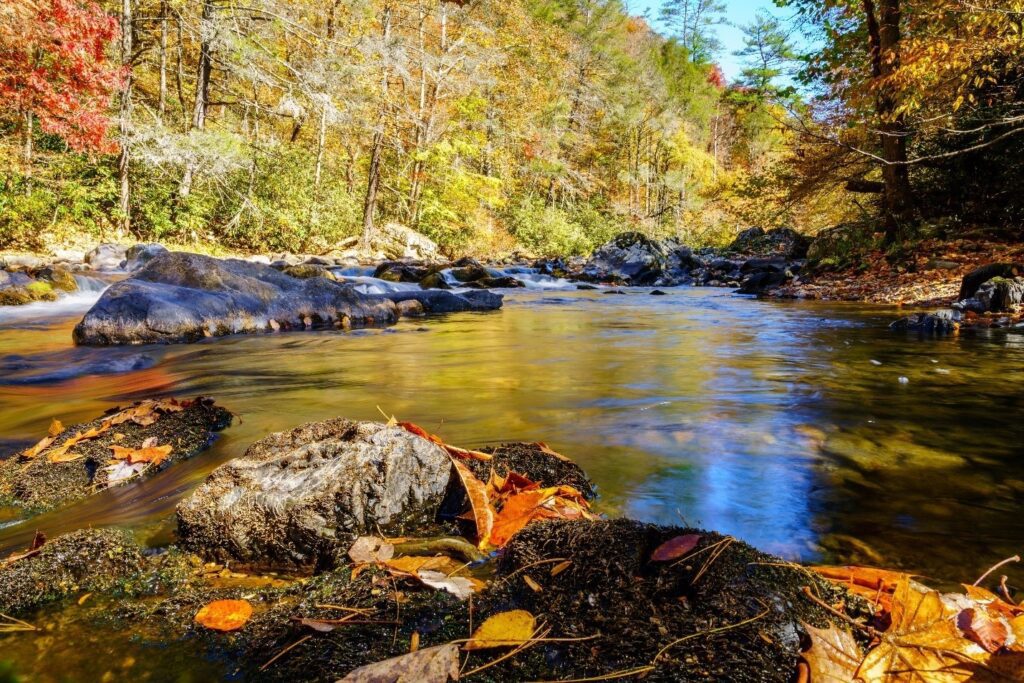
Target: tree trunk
26	148
883	48
203	70
161	105
373	177
124	118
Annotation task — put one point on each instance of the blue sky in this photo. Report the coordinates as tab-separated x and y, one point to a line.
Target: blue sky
740	12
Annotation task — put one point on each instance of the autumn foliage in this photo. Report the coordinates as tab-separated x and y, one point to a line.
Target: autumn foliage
55	68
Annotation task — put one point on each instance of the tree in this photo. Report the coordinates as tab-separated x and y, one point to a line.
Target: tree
54	70
693	22
767	53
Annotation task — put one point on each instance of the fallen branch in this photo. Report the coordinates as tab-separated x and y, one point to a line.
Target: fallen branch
434	546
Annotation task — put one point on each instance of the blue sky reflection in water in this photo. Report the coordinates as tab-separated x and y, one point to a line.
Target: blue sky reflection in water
766	420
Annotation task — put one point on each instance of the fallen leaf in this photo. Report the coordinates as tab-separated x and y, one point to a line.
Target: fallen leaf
545	449
433	438
516	513
317	624
152	454
459	586
921	642
505	629
411	564
56	427
122	470
534	586
43	444
833	656
560	567
483	514
437	664
992	602
676	547
370	549
976	625
224	615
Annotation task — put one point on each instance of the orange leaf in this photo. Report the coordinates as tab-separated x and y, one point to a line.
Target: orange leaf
152	454
224	615
483	513
519	509
433	438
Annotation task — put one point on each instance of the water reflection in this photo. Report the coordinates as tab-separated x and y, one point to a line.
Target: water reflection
765	420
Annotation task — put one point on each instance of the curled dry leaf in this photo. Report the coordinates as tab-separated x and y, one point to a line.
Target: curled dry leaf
833	656
437	664
483	514
674	548
370	549
518	511
459	586
453	450
978	626
545	449
224	615
505	629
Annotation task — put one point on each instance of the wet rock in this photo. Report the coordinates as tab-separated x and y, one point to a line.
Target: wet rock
139	255
79	562
180	297
503	282
18	288
763	282
940	322
308	270
58	277
656	292
410	308
297	499
979	276
401	271
784	242
1001	294
441	301
435	281
585	286
37	484
106	256
630	257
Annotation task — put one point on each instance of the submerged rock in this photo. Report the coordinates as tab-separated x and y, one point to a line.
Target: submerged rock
36	482
441	301
79	562
297	499
180	297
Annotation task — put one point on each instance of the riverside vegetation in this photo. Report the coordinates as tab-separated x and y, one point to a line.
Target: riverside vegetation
331	168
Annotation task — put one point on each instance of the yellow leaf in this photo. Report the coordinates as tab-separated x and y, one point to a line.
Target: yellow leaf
833	656
152	454
56	428
504	629
224	615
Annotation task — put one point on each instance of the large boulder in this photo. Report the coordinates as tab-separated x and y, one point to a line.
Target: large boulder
631	257
399	242
1001	294
106	256
784	242
297	499
979	276
139	255
181	297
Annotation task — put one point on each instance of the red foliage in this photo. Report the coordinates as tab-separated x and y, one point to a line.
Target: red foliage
53	63
716	77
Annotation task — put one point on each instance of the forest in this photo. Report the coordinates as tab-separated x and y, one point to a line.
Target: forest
544	125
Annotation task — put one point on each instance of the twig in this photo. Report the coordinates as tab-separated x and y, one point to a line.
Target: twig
605	677
1006	591
533	564
836	613
997	565
719	629
532	641
725	543
15	625
357	610
285	651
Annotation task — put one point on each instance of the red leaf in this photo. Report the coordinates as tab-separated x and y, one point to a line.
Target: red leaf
675	548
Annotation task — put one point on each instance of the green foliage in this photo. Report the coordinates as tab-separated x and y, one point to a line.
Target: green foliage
549	230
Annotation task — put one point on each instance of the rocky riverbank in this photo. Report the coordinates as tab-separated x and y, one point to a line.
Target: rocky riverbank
603	597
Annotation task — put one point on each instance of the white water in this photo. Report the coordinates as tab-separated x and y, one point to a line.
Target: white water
81	301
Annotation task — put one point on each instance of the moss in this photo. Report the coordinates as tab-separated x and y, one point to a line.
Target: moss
14	296
41	290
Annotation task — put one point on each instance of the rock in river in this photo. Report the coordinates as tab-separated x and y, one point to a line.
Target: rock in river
297	499
74	462
180	297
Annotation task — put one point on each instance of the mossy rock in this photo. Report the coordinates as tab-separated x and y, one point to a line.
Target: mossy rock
308	270
58	278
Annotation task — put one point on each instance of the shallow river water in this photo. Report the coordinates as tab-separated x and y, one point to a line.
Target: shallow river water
783	423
